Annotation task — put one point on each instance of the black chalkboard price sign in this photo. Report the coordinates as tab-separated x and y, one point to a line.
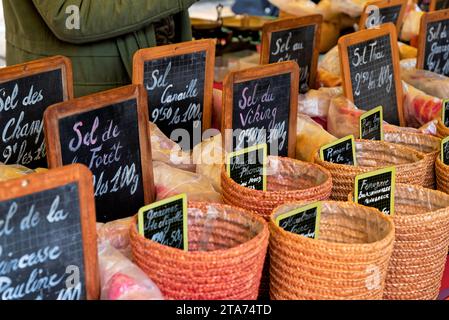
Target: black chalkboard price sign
370	67
341	151
445	112
260	106
296	40
371	125
248	167
48	247
108	132
376	189
26	90
433	50
166	222
380	12
445	151
436	5
304	221
179	80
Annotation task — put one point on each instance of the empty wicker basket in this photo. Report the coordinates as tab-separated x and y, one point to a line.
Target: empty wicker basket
348	261
373	155
291	180
227	248
427	144
422	239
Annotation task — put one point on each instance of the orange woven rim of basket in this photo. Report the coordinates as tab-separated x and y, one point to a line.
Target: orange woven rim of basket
427	144
224	261
442	173
421	222
348	261
411	170
442	130
300	174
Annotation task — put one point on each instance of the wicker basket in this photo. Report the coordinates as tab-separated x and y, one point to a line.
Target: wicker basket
373	155
422	238
292	180
227	248
348	261
442	172
442	130
427	144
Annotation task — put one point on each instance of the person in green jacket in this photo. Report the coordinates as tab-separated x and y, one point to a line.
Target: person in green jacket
99	36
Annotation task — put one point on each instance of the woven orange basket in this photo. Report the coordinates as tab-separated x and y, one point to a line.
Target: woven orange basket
442	130
227	248
421	222
349	260
427	144
290	180
442	172
373	155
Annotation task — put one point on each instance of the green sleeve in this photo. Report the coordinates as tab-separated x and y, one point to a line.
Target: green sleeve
104	19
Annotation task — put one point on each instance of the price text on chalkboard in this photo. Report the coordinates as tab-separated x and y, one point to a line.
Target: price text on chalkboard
436	5
41	239
179	85
303	221
371	125
445	151
294	40
380	12
445	112
23	100
165	222
248	167
433	53
370	71
107	137
341	151
376	189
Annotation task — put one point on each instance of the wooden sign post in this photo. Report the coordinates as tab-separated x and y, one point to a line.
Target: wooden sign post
380	12
296	39
436	5
260	106
26	90
370	68
108	132
433	50
179	81
48	235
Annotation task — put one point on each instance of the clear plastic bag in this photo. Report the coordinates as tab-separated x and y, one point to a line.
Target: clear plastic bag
343	118
209	158
352	8
121	279
116	233
315	103
306	7
170	181
165	150
13	171
433	84
309	138
411	25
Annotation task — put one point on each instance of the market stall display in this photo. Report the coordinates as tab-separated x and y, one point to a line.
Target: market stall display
349	260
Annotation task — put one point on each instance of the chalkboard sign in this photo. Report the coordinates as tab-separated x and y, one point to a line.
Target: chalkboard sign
179	80
108	132
424	5
248	167
445	112
304	221
165	222
26	90
260	106
370	67
296	40
48	248
376	189
436	5
433	50
380	12
445	150
371	125
341	151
